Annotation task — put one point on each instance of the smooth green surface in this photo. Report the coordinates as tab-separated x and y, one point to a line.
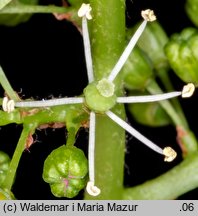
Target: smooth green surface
137	70
179	180
3	3
150	114
4	166
65	169
95	101
192	10
107	37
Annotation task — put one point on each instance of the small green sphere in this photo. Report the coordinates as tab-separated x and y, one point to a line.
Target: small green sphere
99	96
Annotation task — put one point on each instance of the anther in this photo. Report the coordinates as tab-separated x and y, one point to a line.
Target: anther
92	189
8	105
188	90
84	11
169	154
148	15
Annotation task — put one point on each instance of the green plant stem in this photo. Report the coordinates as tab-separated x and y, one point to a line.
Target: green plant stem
107	36
58	114
7	87
188	141
9	180
71	137
176	182
20	8
25	8
163	75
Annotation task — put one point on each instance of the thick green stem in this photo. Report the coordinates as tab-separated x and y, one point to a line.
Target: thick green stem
7	87
176	182
186	138
9	180
107	36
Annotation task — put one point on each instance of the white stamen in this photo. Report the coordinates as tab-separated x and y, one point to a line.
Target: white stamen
148	98
91	151
8	105
134	132
127	51
91	188
188	90
87	50
84	11
51	102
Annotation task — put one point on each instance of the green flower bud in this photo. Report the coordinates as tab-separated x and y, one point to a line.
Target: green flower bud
65	169
4	166
152	42
137	70
182	53
149	114
192	10
99	96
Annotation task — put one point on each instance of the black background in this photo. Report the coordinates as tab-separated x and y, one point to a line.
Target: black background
44	58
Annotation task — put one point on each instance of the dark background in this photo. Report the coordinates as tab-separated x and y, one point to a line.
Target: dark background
44	58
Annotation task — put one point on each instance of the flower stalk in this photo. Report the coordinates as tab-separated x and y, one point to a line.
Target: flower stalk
26	132
7	87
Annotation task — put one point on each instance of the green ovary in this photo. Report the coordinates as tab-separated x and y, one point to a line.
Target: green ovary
65	169
99	96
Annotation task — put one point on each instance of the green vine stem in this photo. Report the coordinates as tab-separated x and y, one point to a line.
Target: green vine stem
7	87
188	141
176	182
108	36
9	180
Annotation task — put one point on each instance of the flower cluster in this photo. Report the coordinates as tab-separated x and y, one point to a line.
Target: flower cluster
100	97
